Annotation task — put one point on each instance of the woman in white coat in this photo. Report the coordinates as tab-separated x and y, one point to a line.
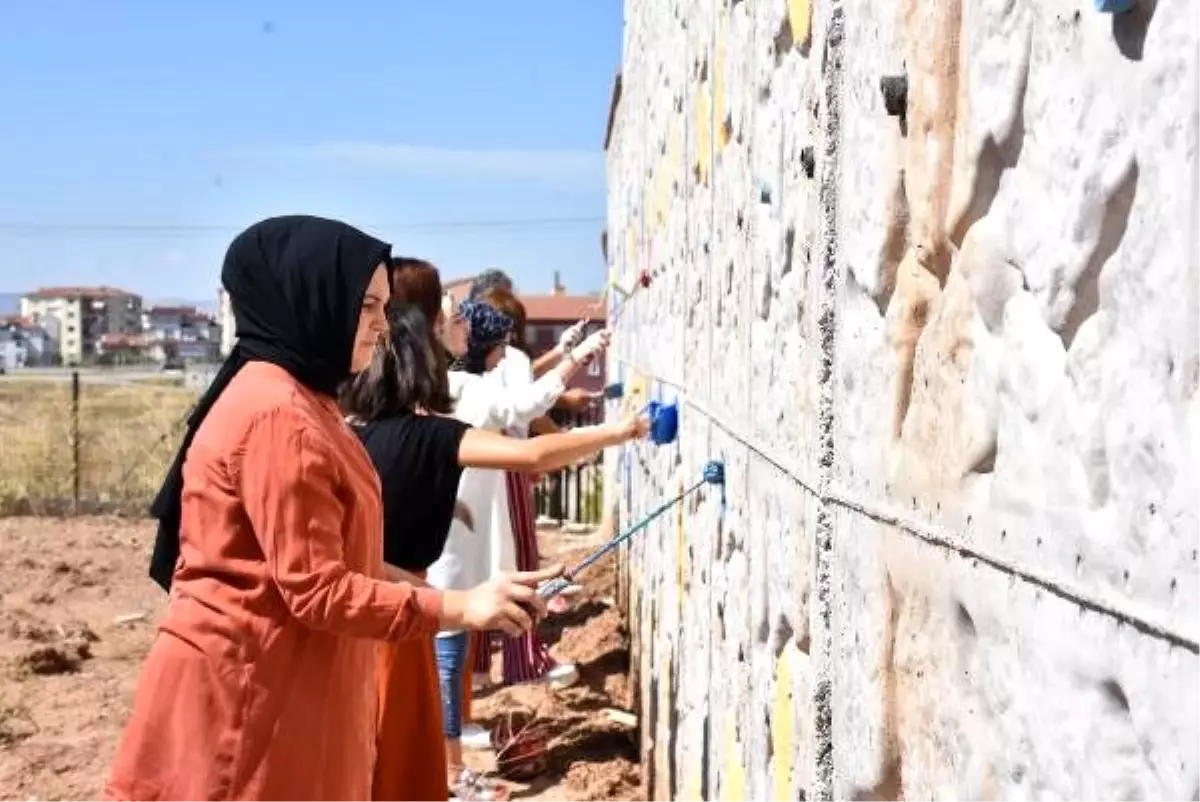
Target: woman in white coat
481	540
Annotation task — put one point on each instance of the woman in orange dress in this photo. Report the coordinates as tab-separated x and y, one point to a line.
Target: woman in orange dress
261	682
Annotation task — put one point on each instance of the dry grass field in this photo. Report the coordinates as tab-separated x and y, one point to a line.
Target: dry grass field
126	432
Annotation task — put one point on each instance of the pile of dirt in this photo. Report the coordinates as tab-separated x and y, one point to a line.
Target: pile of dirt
42	649
16	724
68	671
592	741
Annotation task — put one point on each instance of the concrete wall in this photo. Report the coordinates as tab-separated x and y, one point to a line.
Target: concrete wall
949	358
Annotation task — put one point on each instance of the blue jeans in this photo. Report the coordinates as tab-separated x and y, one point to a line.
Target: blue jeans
451	661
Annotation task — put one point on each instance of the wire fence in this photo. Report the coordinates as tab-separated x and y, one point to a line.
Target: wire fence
100	441
74	442
573	494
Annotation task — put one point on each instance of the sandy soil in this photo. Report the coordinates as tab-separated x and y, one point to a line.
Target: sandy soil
77	615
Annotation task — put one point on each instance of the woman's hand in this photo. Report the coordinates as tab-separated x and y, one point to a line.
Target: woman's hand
593	346
508	602
571	337
576	398
633	427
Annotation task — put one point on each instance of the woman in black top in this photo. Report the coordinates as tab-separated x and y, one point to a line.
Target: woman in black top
399	408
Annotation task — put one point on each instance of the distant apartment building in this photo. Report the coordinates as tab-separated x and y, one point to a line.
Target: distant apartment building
170	335
122	348
81	316
180	333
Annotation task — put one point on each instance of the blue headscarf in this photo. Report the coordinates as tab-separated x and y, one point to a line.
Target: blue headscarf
489	328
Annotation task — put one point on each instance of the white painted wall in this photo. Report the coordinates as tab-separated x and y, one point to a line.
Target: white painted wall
953	375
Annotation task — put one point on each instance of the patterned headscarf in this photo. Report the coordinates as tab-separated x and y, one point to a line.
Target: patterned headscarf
489	327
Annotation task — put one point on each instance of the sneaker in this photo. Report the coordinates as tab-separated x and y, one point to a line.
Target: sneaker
562	675
472	786
476	737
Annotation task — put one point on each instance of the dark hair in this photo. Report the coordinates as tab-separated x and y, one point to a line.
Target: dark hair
476	361
504	301
415	281
405	373
489	280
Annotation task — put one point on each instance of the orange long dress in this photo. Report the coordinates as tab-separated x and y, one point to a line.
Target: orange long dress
410	761
261	682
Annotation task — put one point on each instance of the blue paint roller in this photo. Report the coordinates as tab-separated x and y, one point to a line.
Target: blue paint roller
714	474
664	422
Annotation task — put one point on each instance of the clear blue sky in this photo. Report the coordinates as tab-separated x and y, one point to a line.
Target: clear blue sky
138	136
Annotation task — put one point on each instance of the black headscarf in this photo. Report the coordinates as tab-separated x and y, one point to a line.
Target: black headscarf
296	285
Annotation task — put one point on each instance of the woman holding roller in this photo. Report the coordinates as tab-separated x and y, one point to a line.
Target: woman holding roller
399	410
260	682
526	659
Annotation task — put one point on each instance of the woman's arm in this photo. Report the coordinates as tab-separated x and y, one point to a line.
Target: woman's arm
543	425
483	449
395	574
488	404
589	349
288	480
567	363
547	361
577	398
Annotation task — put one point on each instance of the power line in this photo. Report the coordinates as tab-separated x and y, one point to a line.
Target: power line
33	228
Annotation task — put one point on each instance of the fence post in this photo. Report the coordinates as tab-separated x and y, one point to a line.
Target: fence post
75	470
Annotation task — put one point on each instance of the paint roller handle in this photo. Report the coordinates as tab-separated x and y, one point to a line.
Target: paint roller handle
548	590
614	391
493	604
714	474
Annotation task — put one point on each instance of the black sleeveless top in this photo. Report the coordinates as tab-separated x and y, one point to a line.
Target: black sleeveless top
416	457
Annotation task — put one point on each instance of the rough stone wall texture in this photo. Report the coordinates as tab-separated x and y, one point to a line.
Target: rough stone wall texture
950	360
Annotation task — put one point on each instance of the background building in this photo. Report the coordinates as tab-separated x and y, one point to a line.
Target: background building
81	316
180	334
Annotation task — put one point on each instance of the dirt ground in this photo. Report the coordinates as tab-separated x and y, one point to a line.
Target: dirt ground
77	615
